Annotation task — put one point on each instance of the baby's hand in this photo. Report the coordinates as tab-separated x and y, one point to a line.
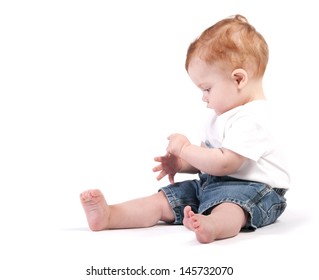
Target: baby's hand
169	165
176	144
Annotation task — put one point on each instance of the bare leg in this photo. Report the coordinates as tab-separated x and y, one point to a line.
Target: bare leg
225	220
142	212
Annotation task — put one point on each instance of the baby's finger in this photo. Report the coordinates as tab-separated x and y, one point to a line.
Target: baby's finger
171	178
161	175
158	168
158	159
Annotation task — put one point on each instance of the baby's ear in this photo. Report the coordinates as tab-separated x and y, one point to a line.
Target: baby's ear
240	77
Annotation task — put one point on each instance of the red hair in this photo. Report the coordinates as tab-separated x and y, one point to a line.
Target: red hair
234	43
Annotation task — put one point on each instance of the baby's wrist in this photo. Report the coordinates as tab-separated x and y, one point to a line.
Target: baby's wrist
183	152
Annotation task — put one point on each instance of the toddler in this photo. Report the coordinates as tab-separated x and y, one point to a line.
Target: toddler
242	176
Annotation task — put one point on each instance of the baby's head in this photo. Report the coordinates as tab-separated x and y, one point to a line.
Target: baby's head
232	43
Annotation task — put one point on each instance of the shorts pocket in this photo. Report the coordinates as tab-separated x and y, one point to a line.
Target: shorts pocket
272	206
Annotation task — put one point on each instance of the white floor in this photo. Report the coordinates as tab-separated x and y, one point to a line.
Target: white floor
280	250
66	248
287	248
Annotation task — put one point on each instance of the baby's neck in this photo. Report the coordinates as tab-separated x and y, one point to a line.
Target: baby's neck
254	90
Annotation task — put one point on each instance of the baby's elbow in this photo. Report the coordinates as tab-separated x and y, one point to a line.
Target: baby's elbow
226	168
226	162
223	170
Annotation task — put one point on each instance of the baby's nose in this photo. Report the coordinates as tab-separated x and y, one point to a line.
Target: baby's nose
204	97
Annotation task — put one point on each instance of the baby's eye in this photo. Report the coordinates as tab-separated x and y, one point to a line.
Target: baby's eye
207	90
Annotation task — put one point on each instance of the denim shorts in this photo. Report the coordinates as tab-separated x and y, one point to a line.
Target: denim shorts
263	203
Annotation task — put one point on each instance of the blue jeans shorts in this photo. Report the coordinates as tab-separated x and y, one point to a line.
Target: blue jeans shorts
263	203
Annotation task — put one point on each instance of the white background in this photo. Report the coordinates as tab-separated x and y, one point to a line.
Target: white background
89	92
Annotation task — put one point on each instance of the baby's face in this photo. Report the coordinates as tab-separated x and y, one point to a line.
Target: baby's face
218	87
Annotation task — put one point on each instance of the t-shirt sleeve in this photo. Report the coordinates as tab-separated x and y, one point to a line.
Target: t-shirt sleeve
247	137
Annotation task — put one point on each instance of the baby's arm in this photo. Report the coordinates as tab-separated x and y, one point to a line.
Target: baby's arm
218	162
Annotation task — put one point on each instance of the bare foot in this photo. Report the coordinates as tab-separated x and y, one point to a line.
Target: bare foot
188	214
96	209
202	225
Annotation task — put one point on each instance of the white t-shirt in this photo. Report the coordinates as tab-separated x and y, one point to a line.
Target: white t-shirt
247	130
